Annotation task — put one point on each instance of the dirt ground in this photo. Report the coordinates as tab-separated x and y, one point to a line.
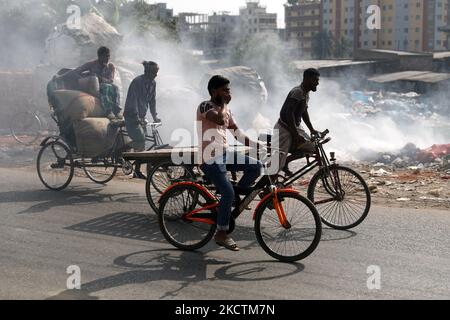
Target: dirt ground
389	186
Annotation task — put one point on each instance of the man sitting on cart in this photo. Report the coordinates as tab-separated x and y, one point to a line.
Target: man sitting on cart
141	97
213	119
105	72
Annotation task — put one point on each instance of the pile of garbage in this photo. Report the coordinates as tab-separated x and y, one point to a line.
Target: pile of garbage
436	156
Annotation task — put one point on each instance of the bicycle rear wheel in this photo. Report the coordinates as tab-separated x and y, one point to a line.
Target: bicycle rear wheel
179	231
25	127
161	177
55	165
293	243
101	174
342	197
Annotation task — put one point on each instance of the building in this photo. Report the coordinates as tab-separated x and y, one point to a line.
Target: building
406	25
254	19
191	28
222	33
160	12
303	21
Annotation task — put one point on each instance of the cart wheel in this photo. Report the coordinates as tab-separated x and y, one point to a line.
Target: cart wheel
162	176
55	165
102	174
25	127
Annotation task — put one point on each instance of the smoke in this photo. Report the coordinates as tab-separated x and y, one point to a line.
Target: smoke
399	119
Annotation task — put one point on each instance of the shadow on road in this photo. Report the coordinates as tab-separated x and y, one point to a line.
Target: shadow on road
182	267
329	234
75	196
127	225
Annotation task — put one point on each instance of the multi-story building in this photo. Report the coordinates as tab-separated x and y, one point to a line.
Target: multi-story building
222	31
191	28
407	25
160	12
254	19
303	21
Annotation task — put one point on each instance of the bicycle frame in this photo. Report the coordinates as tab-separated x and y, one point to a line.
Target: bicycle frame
196	215
320	160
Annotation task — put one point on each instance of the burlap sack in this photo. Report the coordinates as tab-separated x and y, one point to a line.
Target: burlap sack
94	136
76	105
90	85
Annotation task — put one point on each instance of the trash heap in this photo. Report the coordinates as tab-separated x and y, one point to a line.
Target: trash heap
409	177
435	157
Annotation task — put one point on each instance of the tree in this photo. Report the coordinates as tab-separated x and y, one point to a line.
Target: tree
322	45
342	47
292	2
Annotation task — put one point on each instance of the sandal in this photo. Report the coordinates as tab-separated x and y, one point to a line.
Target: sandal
228	244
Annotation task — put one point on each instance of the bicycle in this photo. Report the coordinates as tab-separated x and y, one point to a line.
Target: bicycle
287	225
153	141
339	193
28	126
57	159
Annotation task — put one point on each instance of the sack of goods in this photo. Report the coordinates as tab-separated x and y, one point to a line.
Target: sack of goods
94	136
74	105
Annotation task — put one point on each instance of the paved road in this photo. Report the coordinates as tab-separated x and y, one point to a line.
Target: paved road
122	255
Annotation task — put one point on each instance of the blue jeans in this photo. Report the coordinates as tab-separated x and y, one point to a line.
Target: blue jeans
216	171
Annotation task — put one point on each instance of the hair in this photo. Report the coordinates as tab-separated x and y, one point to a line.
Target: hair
149	64
217	82
102	51
310	73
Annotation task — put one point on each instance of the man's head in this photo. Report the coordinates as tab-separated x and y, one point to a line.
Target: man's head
150	69
103	54
311	79
219	89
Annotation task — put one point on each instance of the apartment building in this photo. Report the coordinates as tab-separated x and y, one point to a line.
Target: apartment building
302	23
254	19
407	25
222	33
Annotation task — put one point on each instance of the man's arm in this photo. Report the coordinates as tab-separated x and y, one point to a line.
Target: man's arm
241	136
307	121
78	71
152	106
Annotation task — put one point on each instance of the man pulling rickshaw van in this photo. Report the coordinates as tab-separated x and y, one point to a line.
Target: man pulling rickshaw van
140	98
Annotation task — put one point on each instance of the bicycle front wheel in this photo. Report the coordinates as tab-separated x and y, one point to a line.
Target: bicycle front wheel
295	242
55	165
342	197
179	231
161	177
25	127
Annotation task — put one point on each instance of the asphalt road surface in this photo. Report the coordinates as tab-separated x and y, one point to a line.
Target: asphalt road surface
121	254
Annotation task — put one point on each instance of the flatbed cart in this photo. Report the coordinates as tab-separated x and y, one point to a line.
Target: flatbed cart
169	166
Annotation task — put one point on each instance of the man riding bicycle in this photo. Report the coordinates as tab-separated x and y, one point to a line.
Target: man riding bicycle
288	131
213	119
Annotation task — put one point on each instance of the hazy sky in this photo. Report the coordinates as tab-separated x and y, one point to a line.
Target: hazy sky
209	6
